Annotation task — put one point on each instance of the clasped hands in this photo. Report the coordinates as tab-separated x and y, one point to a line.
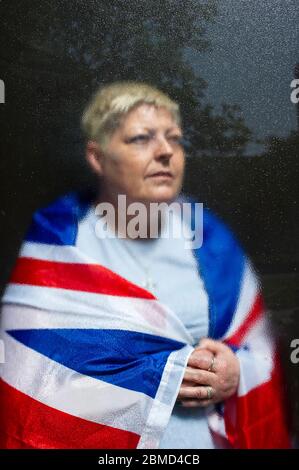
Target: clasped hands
211	375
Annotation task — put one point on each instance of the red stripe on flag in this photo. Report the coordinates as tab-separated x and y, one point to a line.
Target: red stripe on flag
255	313
75	276
258	420
28	423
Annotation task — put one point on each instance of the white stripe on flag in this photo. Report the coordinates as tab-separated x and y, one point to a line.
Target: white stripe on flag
56	253
257	362
63	308
66	390
171	380
248	293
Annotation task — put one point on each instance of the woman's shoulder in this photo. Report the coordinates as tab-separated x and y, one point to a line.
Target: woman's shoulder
57	222
217	236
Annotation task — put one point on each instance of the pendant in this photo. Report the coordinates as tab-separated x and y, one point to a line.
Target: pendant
149	284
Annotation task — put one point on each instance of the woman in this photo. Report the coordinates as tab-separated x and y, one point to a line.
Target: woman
178	334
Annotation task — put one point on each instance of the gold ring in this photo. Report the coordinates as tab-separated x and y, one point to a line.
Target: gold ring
209	393
210	369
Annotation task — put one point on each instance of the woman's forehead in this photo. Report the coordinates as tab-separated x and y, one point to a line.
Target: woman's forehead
149	116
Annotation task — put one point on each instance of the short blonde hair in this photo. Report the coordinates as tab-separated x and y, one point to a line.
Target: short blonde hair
111	103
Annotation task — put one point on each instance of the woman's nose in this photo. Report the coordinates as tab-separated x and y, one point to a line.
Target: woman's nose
163	149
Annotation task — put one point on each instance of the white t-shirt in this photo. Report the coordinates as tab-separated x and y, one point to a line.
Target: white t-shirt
174	271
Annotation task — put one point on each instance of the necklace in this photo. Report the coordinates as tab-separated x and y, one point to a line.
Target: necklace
148	282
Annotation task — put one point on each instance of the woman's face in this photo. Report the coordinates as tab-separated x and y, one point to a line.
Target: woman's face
144	157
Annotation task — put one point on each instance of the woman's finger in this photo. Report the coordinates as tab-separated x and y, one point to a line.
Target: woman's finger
199	393
212	345
198	376
188	383
204	358
209	365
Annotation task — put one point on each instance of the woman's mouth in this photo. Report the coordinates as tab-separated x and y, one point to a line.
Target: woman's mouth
161	174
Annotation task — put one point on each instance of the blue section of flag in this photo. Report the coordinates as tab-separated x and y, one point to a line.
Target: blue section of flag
221	263
57	224
127	359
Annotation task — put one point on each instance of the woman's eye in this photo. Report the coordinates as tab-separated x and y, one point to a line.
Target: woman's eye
178	139
141	138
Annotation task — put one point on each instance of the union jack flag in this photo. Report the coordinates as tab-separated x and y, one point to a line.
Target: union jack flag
95	361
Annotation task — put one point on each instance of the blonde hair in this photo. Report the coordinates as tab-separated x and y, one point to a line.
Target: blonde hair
111	103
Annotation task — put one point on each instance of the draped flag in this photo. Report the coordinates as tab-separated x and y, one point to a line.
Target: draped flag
94	361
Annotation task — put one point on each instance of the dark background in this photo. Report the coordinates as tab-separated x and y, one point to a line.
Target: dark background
242	139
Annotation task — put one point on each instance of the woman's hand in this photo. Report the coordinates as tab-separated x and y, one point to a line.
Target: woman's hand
211	375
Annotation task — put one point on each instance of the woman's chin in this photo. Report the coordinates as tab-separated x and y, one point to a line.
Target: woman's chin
162	196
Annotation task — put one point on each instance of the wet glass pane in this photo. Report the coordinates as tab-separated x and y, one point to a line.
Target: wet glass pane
233	66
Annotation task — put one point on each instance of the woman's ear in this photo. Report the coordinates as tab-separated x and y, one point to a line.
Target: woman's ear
94	157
